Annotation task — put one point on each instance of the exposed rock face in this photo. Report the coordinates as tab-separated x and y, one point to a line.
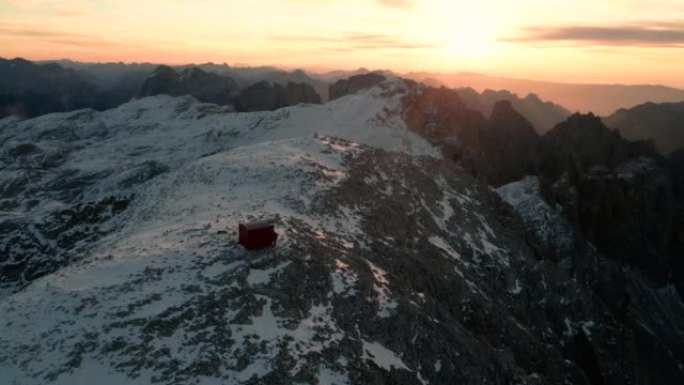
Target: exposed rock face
629	212
634	302
28	89
498	150
510	144
663	123
204	86
584	141
267	96
354	84
620	195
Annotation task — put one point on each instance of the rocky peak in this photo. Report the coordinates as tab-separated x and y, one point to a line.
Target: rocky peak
269	96
620	195
438	114
503	108
509	143
164	70
163	80
204	86
661	122
507	124
542	114
498	150
193	73
583	140
354	84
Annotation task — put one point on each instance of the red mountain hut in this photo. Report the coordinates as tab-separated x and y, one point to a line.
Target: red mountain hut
257	235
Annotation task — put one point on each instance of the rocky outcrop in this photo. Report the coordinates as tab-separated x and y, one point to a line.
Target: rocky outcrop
268	96
354	84
204	86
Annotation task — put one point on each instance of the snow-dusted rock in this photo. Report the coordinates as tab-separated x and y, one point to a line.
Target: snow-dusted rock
393	265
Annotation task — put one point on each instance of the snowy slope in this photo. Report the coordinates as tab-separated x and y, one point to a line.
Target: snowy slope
393	266
169	296
56	162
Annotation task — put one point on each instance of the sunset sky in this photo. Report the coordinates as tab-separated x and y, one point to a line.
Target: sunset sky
607	41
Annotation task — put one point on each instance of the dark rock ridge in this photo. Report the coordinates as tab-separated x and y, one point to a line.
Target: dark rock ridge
602	99
354	84
204	86
510	143
621	195
663	123
497	150
246	76
268	96
222	90
582	142
296	76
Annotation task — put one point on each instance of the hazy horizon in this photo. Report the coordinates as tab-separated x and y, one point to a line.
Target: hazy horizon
326	70
615	42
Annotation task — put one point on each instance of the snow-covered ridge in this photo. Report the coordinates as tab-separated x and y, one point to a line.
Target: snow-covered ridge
392	266
107	198
53	162
165	291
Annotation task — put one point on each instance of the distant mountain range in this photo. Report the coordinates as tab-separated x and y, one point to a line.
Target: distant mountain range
204	86
109	74
29	89
601	99
543	115
663	123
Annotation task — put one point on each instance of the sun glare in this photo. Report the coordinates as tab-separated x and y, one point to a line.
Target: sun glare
467	30
467	41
